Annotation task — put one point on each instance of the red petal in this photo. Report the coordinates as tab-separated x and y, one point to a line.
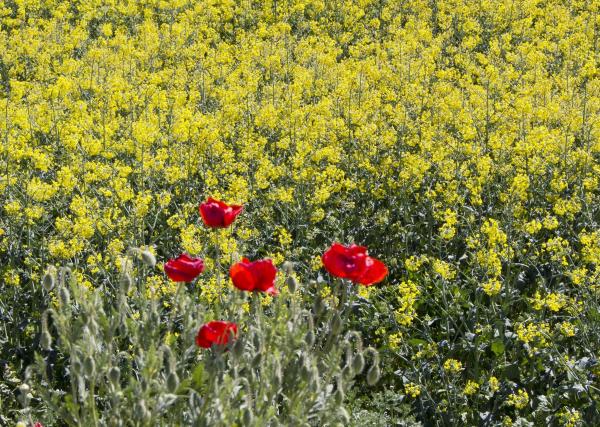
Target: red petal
242	277
264	272
375	272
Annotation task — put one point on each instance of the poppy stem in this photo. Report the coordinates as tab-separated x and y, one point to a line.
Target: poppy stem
218	273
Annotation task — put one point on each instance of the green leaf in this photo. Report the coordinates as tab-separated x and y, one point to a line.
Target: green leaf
416	341
198	376
498	347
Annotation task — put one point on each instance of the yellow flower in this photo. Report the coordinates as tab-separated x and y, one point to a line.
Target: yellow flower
413	390
519	400
452	366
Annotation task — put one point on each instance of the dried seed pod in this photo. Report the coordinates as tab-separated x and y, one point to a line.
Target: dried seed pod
172	382
148	258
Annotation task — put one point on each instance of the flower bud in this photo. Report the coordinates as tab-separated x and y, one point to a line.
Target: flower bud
256	341
343	414
288	267
140	412
238	349
114	375
65	296
89	366
373	375
247	417
358	363
305	374
148	258
24	395
347	372
257	361
46	341
77	366
49	279
126	283
291	283
338	396
172	382
319	306
309	338
336	324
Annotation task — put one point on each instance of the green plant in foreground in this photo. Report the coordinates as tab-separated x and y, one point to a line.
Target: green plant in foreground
128	360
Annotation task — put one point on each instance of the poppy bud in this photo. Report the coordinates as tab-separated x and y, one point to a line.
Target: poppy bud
319	306
140	412
65	296
148	258
93	327
49	279
336	324
343	414
172	382
77	367
257	361
256	341
358	363
46	341
89	366
247	417
373	375
309	338
126	283
114	375
338	396
291	283
288	267
238	349
305	373
24	395
347	372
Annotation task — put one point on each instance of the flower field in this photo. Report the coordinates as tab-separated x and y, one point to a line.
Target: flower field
188	190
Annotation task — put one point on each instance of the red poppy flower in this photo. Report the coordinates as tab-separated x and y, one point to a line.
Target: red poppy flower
216	332
217	214
184	268
254	276
352	262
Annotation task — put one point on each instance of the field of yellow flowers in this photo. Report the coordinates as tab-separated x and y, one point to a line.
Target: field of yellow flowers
459	140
